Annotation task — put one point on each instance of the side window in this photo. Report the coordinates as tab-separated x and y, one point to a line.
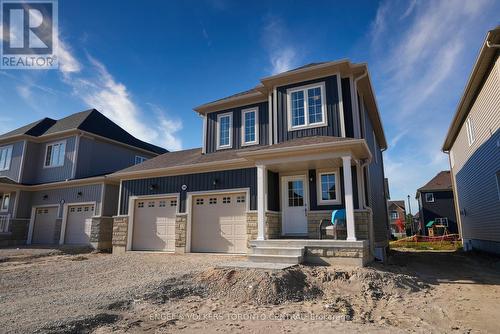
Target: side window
429	197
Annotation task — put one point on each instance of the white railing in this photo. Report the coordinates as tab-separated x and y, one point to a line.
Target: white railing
4	223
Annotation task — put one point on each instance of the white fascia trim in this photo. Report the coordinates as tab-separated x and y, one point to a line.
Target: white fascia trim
230	145
243	126
305	88
338	190
46	149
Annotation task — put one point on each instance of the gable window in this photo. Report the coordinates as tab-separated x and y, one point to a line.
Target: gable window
429	197
5	157
139	159
471	135
54	154
328	191
5	202
224	131
306	106
394	215
250	126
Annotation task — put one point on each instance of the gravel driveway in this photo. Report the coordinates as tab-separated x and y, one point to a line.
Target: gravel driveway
41	286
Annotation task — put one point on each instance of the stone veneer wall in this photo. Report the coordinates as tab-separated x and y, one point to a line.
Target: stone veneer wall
101	233
18	234
272	227
180	233
362	220
120	232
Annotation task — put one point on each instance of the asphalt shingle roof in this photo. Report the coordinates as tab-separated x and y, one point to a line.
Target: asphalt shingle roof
442	181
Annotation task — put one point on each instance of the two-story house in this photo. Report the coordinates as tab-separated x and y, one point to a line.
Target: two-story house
53	188
397	218
473	146
275	161
436	207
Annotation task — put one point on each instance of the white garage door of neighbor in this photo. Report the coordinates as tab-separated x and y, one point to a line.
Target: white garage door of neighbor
219	223
78	224
154	224
44	225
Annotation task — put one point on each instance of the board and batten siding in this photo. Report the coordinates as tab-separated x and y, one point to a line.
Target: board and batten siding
347	105
485	115
110	203
211	133
90	193
478	193
377	200
332	111
98	157
34	171
209	181
15	162
442	207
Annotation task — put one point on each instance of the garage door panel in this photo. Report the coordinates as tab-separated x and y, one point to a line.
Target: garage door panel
154	224
44	225
219	223
79	224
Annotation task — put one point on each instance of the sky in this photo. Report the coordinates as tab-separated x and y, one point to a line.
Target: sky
147	64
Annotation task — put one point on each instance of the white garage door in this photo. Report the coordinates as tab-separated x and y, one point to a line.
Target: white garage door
44	226
219	224
78	224
154	224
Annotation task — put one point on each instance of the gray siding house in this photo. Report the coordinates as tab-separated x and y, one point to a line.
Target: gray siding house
473	146
53	188
276	160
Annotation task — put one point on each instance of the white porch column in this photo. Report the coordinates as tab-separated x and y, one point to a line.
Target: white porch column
261	200
349	204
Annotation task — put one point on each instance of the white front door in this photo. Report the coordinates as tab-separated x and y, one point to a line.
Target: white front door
294	205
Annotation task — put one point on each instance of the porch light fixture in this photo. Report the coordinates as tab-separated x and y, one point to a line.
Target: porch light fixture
152	187
79	194
45	197
215	181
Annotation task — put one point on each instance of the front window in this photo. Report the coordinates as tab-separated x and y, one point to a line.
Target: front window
5	157
54	154
139	159
250	126
295	193
429	197
328	188
394	215
306	106
5	202
224	125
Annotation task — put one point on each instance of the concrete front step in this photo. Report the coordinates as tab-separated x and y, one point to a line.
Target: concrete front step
291	251
289	259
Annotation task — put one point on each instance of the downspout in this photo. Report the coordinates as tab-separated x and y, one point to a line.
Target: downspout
355	84
364	165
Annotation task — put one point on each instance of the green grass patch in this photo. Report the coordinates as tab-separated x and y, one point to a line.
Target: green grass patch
424	245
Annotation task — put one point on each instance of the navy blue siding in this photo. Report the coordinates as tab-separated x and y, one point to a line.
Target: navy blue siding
229	179
478	193
273	191
332	111
347	104
313	191
442	207
212	126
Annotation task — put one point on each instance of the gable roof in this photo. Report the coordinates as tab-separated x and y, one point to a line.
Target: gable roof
440	182
400	204
91	121
487	56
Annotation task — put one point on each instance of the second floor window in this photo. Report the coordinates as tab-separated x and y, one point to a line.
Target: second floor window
139	159
394	215
5	157
429	197
250	121
54	154
224	130
306	106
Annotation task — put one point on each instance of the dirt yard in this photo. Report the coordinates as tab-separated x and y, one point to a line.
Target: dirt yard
54	291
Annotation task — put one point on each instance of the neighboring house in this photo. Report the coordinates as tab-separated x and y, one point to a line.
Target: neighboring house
436	207
397	217
53	187
473	145
275	161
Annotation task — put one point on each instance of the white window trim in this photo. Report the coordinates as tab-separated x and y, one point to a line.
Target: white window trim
230	145
471	136
11	148
306	125
47	148
397	214
433	199
2	202
338	192
243	113
139	157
